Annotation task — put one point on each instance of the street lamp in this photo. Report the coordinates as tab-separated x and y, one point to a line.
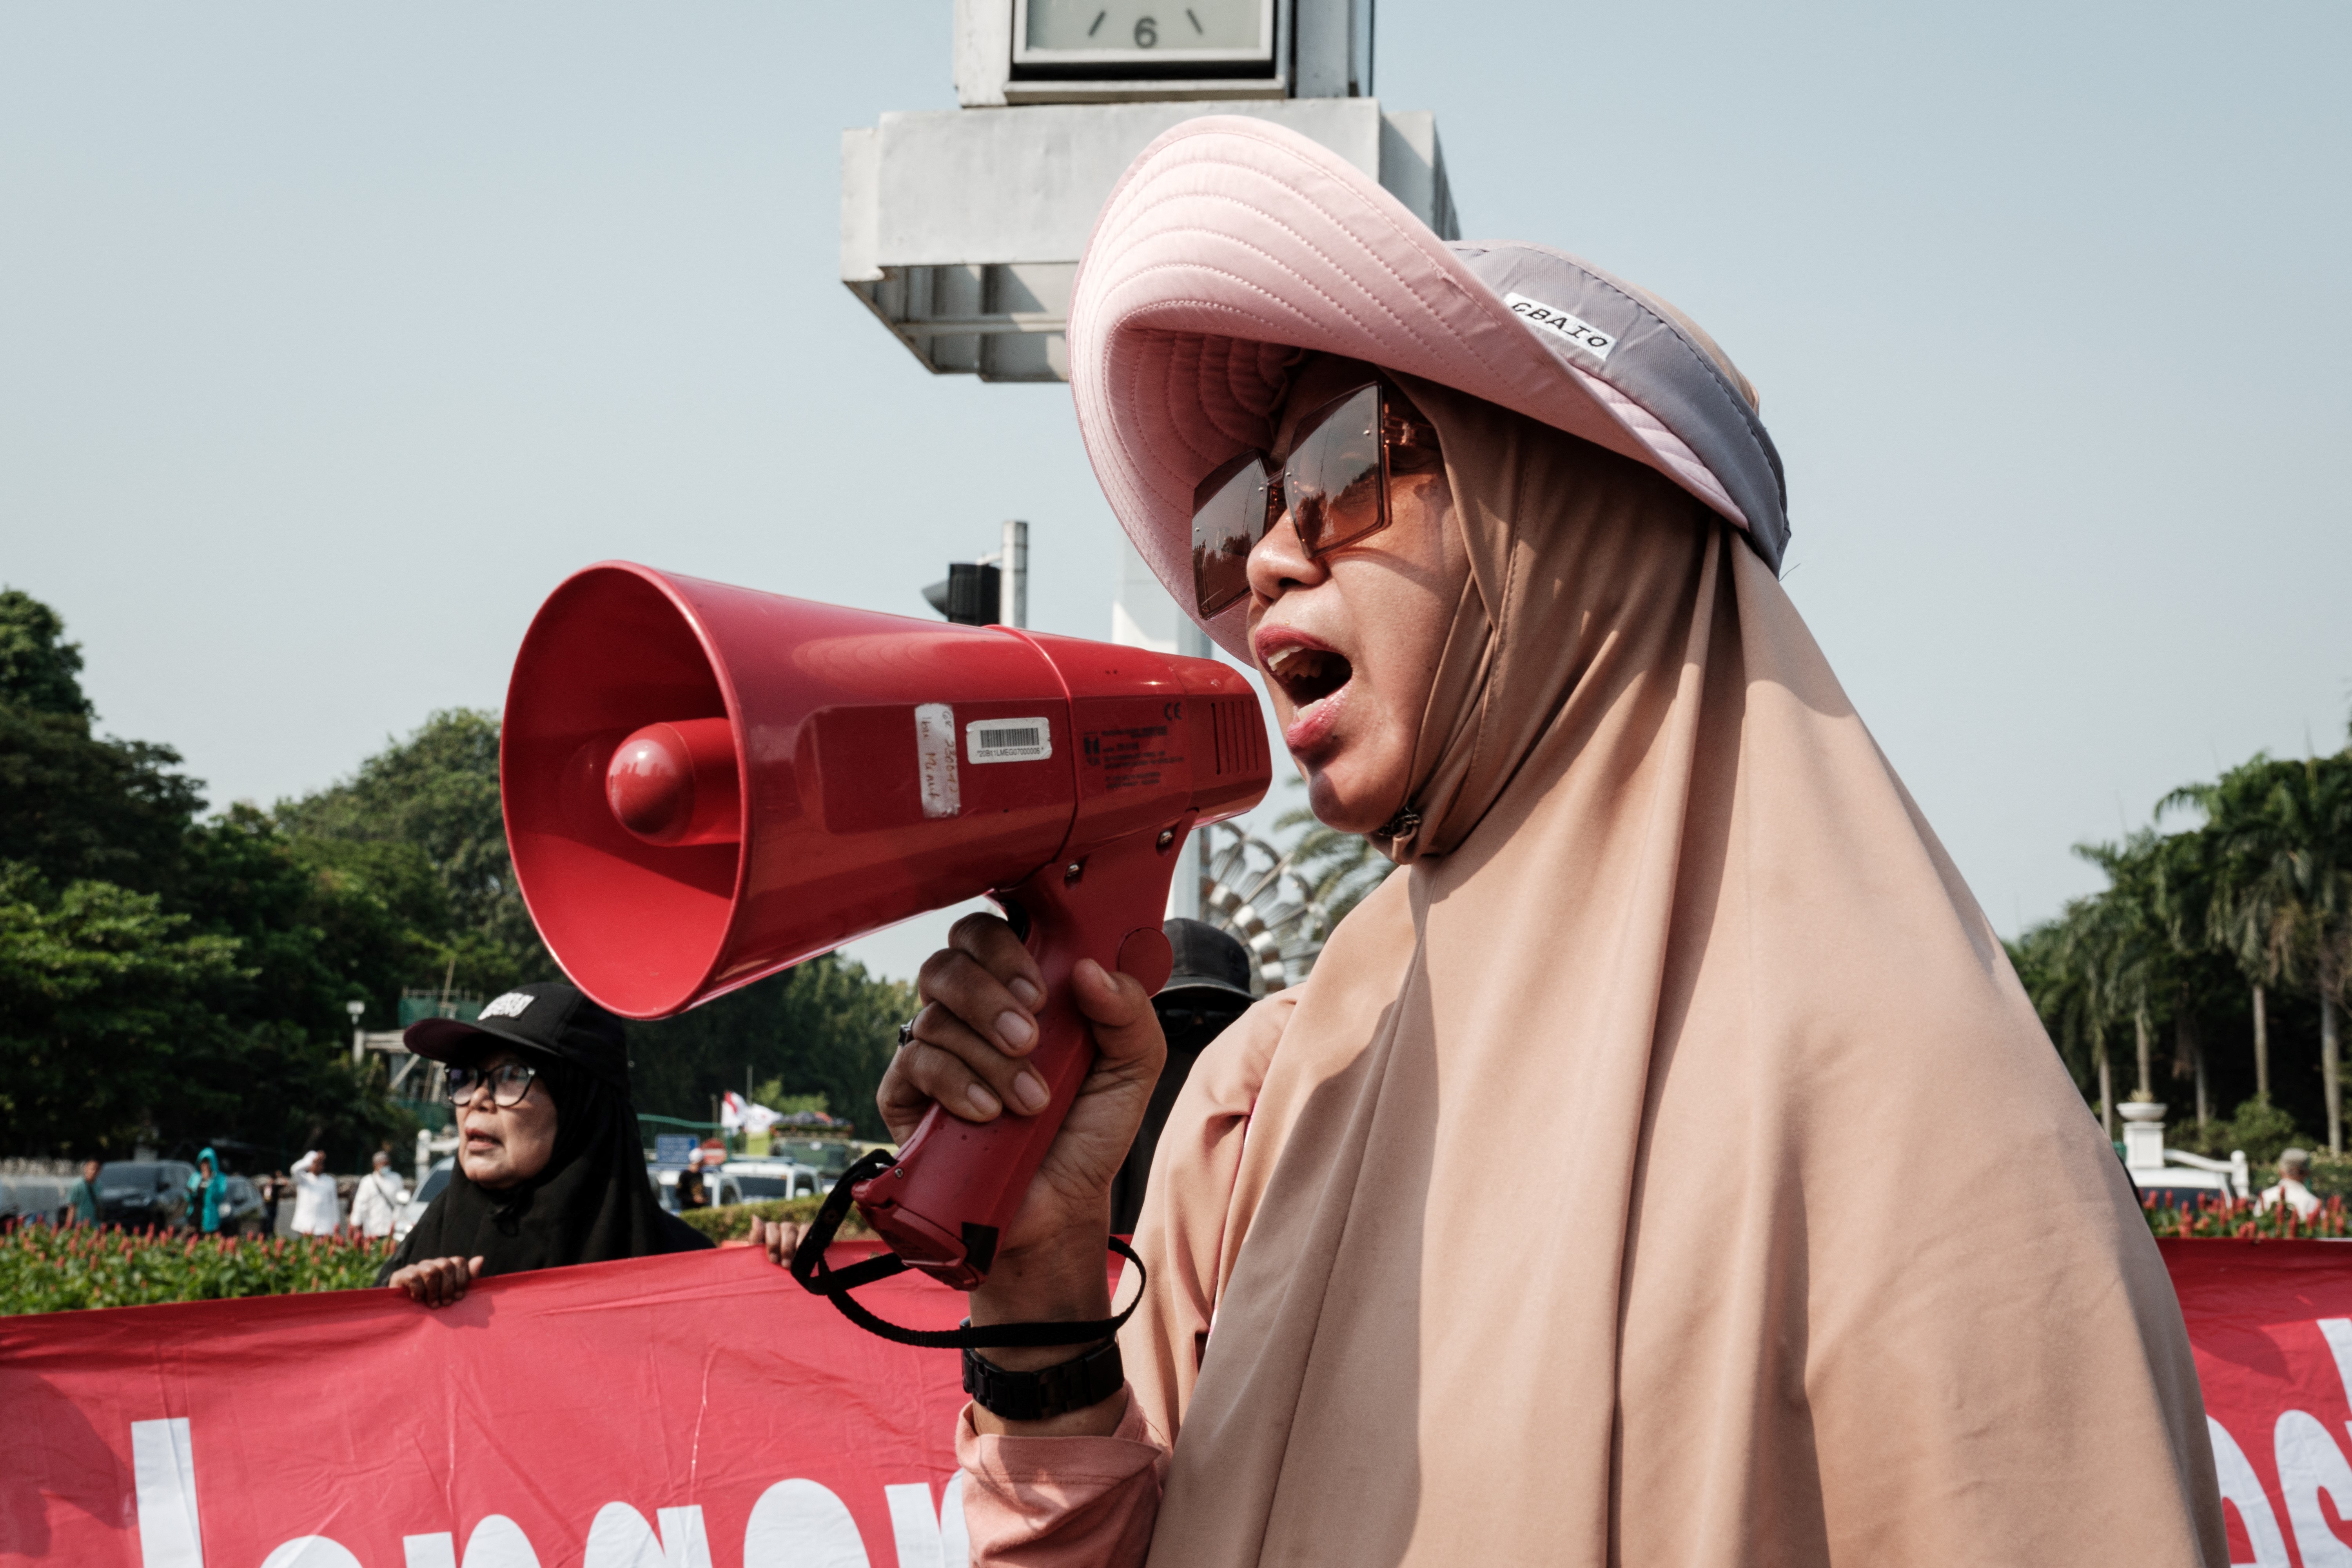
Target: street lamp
359	1040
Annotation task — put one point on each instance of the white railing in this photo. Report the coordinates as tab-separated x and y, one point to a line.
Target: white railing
2234	1167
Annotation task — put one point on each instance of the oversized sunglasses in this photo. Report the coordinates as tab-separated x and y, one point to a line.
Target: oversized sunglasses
1334	484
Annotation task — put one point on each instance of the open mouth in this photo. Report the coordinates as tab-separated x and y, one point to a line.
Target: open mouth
1309	674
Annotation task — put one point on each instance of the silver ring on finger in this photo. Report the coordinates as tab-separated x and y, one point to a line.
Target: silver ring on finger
907	1032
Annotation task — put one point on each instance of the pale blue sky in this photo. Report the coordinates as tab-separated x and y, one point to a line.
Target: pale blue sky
331	338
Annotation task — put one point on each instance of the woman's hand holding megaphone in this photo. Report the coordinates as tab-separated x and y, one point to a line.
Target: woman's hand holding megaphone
978	1021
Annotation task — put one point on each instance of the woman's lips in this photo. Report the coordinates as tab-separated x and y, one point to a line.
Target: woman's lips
1310	734
1313	676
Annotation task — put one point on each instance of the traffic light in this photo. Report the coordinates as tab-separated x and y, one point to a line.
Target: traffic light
971	596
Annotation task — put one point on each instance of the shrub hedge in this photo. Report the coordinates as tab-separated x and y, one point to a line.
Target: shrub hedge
2222	1217
56	1270
732	1222
45	1270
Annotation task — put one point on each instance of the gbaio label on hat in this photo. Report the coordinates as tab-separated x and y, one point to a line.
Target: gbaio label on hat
510	1005
1560	324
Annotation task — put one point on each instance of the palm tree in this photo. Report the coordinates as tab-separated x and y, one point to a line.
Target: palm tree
2180	870
2048	961
2233	923
2281	896
1341	867
2120	944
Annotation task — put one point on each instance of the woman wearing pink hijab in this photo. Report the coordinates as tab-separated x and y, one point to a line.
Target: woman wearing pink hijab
1538	1224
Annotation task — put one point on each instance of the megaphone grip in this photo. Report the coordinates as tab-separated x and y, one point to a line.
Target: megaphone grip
957	1185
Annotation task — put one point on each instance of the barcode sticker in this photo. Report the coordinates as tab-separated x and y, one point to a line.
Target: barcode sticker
1007	739
935	763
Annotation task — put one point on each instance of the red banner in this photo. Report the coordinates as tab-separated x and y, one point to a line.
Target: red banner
704	1411
2271	1323
695	1411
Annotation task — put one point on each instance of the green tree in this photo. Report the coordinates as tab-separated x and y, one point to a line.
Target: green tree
2122	945
2049	961
2282	898
39	670
73	806
103	996
436	792
165	977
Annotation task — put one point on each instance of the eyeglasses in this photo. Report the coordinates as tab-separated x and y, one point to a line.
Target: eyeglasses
1334	485
508	1083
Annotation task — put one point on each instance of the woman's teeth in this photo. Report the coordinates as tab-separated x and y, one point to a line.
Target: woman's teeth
1308	675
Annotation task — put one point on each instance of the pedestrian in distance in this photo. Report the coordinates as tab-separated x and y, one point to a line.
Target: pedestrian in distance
2291	1188
550	1166
207	1191
317	1210
82	1198
272	1188
376	1201
1526	1229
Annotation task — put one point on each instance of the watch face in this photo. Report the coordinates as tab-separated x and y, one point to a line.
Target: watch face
1140	32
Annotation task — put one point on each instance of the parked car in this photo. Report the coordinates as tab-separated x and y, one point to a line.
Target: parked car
426	1191
37	1200
240	1209
721	1187
828	1157
762	1180
143	1194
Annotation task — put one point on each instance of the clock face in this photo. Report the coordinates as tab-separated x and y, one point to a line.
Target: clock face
1136	31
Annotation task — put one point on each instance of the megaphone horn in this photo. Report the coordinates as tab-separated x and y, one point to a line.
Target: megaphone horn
706	785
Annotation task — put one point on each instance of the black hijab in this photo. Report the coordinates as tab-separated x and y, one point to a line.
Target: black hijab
591	1202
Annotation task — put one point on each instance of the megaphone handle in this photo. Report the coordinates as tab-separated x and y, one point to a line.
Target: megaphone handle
957	1185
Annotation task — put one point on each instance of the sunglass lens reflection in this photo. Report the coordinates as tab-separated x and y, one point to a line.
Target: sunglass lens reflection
1230	510
1332	480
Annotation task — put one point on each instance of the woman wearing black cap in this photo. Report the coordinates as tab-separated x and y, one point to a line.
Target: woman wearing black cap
551	1165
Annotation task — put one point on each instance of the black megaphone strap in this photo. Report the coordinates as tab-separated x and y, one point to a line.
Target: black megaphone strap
821	1279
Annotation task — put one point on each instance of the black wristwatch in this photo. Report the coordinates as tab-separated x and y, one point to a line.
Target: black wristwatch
1050	1391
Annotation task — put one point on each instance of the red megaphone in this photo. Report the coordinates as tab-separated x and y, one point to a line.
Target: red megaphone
705	784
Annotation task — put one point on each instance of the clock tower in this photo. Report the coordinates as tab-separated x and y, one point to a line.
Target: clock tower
961	229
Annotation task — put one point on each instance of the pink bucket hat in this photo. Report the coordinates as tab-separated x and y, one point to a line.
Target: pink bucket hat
1231	244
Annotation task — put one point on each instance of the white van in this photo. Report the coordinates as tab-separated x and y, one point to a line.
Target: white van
763	1179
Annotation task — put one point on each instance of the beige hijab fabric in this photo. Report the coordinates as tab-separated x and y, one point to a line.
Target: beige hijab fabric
1667	1168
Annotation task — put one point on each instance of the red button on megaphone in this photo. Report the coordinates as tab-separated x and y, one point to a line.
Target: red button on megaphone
705	784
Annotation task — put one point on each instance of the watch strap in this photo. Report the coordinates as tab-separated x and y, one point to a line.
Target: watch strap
1055	1390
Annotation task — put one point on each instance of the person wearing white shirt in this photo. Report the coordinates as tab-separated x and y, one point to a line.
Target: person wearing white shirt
375	1202
316	1212
2294	1168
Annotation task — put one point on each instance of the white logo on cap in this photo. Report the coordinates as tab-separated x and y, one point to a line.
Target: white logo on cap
1580	333
510	1005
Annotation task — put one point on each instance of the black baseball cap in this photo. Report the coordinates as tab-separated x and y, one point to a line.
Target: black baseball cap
1210	964
551	1017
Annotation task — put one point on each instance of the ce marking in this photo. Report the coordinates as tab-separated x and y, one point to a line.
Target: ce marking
1172	711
